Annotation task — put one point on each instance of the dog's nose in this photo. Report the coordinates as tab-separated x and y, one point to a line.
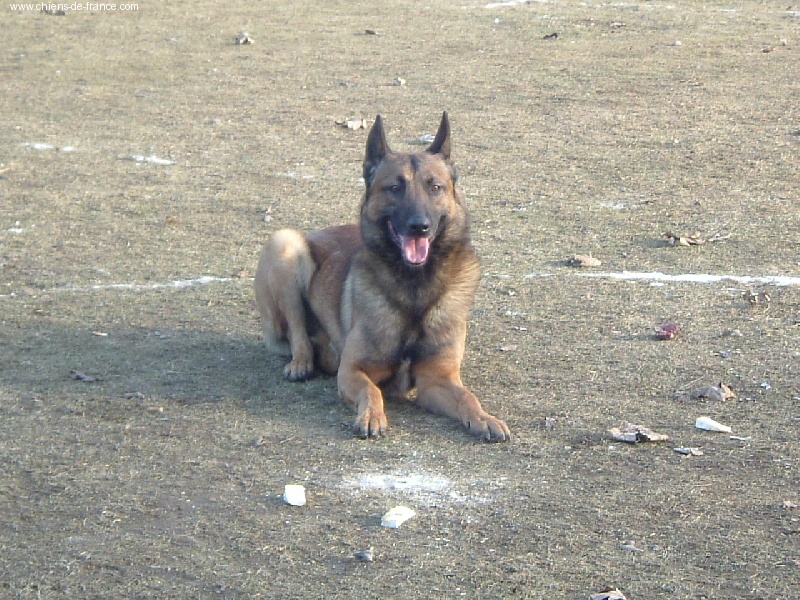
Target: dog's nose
419	225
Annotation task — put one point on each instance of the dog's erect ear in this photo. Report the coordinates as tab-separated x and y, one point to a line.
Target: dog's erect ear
377	149
441	143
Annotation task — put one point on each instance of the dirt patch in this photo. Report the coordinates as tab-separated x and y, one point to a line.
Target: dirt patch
145	156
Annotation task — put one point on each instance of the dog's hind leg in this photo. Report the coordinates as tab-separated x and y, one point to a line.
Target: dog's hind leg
281	284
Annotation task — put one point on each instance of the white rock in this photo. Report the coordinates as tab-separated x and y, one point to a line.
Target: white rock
294	495
711	425
397	516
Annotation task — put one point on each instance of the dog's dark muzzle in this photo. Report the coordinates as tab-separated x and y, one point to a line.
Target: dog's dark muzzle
414	239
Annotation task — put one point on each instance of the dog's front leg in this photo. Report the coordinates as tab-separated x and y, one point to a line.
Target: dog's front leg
357	379
439	390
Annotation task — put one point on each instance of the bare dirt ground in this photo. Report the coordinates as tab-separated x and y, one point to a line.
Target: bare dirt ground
163	479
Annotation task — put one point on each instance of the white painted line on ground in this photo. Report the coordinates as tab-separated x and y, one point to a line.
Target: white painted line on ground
655	278
180	284
139	287
779	280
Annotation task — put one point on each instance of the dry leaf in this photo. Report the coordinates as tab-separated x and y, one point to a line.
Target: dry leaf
693	239
243	38
684	240
583	261
608	594
81	377
667	331
367	555
715	393
353	124
636	434
689	451
631	547
761	298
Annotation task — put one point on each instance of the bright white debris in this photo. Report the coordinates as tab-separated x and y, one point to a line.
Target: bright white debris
295	495
710	424
397	516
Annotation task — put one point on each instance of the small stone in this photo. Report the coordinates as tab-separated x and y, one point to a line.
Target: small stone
397	516
365	555
294	495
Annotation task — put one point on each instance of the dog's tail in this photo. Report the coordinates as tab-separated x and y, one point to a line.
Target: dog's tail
281	285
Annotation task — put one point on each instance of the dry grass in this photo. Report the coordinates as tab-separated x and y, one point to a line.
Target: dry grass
149	483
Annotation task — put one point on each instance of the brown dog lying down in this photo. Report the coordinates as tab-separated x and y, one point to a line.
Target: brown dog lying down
383	304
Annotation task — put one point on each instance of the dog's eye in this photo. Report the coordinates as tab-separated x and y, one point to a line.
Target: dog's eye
436	188
395	189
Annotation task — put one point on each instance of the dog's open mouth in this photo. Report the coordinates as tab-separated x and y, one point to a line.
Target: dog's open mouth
414	249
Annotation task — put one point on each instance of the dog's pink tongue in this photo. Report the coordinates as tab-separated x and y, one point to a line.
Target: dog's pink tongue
415	249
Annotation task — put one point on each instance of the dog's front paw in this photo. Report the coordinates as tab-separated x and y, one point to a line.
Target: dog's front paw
489	428
299	370
371	423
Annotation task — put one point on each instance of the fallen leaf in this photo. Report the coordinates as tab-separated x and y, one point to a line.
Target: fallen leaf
636	434
583	261
715	393
353	124
667	331
761	298
692	240
82	377
365	555
243	38
689	451
608	594
631	547
684	240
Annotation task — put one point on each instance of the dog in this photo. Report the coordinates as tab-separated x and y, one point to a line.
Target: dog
383	305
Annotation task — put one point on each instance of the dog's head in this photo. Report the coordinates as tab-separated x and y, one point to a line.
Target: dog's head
411	199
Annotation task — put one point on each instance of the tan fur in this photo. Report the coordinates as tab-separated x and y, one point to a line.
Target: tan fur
383	304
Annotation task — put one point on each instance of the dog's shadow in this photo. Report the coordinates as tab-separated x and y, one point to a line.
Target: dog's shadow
164	366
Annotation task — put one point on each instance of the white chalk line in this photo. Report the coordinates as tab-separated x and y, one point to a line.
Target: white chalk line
179	284
654	278
701	278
